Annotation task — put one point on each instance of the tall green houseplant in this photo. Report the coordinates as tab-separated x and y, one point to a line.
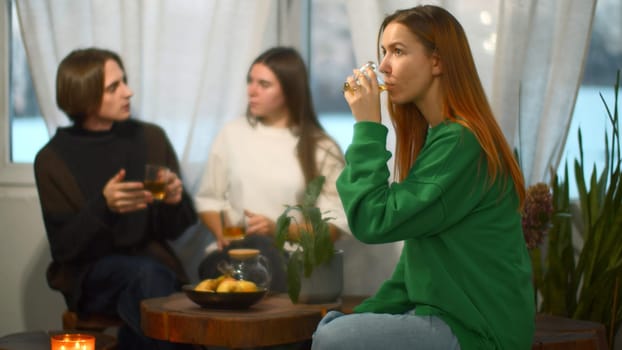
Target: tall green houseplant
314	246
582	281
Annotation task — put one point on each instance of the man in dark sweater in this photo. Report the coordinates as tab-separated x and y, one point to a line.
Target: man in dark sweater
107	234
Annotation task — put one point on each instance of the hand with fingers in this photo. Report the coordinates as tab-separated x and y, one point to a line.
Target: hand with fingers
174	189
125	196
363	95
259	224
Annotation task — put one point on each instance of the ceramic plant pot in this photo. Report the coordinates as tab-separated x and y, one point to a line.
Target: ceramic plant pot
325	283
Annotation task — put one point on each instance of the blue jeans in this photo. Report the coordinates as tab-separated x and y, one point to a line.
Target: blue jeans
117	284
383	331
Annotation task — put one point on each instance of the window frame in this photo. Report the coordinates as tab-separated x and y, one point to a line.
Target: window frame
10	173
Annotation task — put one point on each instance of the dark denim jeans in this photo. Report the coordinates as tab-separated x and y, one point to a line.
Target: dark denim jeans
117	284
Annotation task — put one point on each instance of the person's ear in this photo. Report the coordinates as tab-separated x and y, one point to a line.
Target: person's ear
437	63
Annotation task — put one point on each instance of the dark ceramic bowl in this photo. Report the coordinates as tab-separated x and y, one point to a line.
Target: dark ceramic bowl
214	300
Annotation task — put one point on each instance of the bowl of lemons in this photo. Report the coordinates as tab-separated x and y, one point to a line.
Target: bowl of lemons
225	292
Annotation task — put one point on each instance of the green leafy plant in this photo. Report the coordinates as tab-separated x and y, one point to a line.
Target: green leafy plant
582	281
312	241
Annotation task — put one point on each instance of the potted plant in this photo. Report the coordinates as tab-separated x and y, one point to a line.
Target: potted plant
313	248
578	276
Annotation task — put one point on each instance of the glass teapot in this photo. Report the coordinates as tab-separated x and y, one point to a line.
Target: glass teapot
249	265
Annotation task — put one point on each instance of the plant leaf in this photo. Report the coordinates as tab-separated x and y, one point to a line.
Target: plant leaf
282	228
294	266
313	190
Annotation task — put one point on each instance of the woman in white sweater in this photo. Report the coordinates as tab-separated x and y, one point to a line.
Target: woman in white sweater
263	161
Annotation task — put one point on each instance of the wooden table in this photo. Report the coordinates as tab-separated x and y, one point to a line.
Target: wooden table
272	321
554	332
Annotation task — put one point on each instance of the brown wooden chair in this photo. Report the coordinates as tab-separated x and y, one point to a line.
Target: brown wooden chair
94	323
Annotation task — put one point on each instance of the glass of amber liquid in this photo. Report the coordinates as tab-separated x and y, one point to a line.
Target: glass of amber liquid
374	67
233	225
155	180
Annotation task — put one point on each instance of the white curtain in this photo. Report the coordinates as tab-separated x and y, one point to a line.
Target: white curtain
541	51
186	60
537	48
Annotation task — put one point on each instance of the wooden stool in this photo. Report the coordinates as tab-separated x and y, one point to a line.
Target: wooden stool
94	323
554	332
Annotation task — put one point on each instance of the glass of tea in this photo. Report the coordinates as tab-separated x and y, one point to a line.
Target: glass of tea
373	67
155	180
233	225
363	70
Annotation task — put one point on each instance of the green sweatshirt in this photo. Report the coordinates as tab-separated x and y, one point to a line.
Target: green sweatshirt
464	257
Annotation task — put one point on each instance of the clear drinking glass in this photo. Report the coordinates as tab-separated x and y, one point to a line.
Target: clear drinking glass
374	67
363	70
155	180
233	224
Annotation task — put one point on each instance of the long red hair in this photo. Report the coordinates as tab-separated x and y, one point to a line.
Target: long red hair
464	99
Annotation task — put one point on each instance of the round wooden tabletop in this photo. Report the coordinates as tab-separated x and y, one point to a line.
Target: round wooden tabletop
272	321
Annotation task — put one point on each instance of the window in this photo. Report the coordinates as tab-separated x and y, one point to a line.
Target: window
28	132
18	106
604	58
331	59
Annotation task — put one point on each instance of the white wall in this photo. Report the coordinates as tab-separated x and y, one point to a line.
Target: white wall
26	301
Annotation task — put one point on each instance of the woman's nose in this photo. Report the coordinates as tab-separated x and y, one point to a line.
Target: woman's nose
250	89
384	67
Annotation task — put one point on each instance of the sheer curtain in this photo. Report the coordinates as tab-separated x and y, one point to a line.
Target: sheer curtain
186	60
535	49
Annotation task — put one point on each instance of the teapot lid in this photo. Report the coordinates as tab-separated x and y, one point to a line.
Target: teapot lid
243	253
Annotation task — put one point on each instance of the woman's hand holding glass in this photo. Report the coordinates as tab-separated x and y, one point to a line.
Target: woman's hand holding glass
362	92
259	224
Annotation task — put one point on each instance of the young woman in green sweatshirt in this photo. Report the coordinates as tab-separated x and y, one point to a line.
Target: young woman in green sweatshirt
463	280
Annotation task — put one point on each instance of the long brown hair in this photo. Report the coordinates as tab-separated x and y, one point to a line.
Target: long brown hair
464	99
291	72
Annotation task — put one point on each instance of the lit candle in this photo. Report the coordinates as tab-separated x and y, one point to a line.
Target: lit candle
72	341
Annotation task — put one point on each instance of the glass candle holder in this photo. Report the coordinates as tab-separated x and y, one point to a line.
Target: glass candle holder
72	341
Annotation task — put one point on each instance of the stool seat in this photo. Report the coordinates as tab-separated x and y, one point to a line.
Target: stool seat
94	322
